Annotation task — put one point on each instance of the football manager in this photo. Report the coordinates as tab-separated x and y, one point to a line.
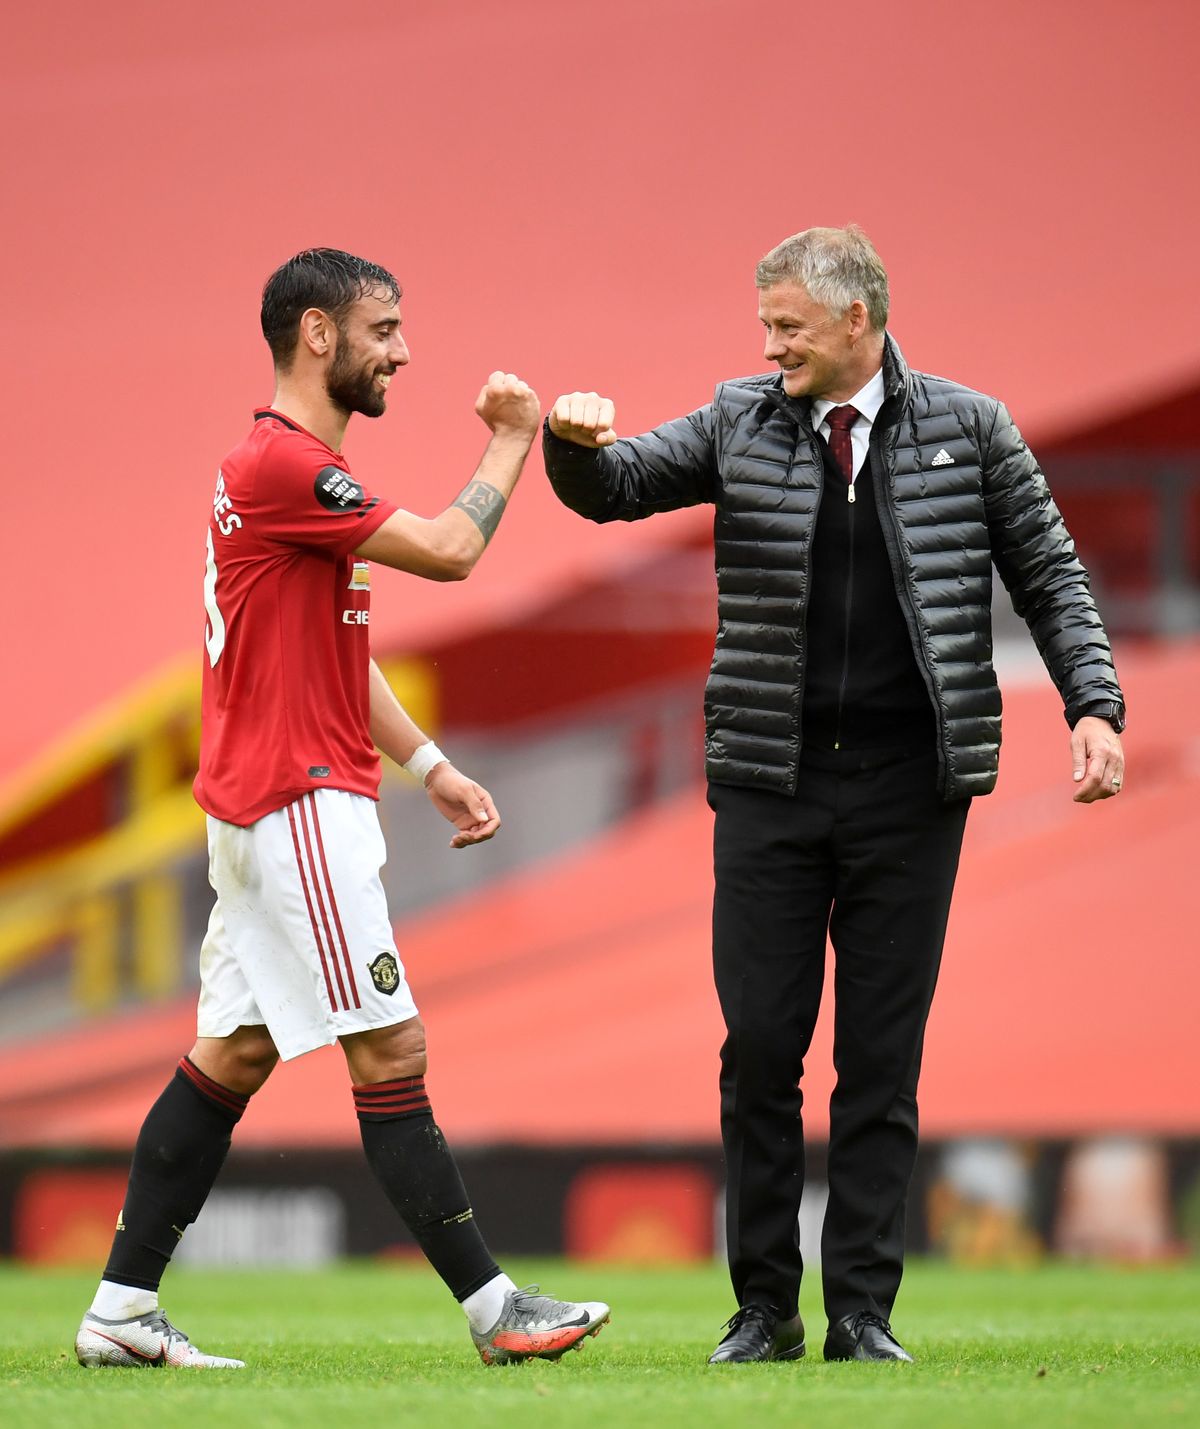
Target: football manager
852	714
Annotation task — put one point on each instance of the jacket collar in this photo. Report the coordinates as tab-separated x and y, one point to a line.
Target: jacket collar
897	379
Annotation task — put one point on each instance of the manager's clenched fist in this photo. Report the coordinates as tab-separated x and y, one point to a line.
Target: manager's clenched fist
585	419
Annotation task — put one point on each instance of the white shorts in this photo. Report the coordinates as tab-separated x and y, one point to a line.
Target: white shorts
299	940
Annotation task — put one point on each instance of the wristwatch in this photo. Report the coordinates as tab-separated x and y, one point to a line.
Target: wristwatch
1111	710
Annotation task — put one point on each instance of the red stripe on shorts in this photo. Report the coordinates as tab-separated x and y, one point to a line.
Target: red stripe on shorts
316	879
333	903
312	917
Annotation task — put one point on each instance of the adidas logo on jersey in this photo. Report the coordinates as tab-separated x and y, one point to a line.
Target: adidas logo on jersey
943	458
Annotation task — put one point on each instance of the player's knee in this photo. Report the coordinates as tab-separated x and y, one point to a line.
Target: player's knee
405	1049
256	1060
242	1061
387	1054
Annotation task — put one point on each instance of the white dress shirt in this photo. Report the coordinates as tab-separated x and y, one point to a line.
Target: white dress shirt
868	400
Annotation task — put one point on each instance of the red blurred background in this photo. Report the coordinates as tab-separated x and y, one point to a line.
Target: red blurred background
579	193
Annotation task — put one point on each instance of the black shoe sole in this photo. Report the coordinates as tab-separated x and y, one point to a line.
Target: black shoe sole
843	1358
795	1353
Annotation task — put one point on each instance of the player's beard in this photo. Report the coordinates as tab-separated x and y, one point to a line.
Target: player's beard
353	388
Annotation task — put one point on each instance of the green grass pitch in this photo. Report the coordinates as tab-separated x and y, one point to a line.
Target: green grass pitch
364	1345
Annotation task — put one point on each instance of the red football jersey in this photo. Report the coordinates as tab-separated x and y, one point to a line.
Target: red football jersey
286	697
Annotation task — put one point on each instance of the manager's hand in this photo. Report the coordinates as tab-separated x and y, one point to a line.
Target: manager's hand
585	419
1098	758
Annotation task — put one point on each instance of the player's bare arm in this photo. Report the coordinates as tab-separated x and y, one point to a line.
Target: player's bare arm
394	732
584	418
484	505
447	547
465	804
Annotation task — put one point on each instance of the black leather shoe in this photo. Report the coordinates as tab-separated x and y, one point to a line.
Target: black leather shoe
863	1336
755	1333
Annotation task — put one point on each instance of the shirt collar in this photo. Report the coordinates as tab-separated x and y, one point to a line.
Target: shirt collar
269	412
868	399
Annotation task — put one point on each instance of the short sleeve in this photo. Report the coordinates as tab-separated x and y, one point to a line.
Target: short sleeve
303	497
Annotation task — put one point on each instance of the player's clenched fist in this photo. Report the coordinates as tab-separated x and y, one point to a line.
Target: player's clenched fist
509	406
585	419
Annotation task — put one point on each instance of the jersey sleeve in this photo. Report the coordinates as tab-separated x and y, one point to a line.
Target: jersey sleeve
302	497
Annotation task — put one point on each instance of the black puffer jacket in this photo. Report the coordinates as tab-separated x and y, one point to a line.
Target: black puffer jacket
957	490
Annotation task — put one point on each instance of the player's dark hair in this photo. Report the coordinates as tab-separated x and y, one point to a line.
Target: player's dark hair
324	278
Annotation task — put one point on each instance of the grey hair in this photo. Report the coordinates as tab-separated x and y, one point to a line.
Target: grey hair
834	266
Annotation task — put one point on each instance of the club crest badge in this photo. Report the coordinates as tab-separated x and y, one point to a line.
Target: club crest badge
384	973
360	576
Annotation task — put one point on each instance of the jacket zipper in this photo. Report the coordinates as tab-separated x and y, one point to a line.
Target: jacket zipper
804	619
837	740
891	539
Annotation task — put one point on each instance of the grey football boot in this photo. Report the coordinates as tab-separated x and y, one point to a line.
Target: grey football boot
143	1342
533	1326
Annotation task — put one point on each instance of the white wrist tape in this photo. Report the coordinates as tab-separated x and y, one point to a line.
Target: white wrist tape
425	757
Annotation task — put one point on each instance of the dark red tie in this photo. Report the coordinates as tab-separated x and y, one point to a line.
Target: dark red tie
840	420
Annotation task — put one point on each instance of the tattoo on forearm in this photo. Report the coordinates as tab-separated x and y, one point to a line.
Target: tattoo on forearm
484	505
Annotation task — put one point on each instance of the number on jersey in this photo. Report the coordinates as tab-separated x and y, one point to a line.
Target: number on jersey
214	635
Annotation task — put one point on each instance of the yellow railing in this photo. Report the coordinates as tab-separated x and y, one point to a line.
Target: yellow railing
119	731
78	897
117	900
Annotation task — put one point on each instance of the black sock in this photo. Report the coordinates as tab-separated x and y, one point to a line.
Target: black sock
411	1161
179	1151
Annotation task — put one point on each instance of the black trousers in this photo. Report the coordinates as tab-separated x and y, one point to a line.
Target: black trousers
867	852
